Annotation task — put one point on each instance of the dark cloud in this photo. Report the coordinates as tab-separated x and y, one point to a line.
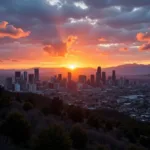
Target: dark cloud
145	47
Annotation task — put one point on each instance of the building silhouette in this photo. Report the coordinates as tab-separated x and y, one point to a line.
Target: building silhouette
98	76
36	74
69	76
104	77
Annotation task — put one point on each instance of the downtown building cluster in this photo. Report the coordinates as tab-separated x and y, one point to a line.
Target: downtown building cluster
23	81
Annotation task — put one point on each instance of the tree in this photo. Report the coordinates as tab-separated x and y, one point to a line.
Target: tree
54	138
93	121
102	147
46	111
16	127
56	106
76	114
27	106
78	136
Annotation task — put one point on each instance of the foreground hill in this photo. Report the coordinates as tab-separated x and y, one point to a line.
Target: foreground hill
31	121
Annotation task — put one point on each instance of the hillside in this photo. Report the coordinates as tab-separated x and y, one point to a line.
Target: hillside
98	129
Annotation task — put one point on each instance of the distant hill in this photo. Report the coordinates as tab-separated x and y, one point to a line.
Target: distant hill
123	70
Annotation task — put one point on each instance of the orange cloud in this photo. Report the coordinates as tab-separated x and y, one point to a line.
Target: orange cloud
143	37
102	40
70	41
123	49
145	47
10	31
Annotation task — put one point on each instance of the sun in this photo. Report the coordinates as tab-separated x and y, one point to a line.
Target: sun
72	66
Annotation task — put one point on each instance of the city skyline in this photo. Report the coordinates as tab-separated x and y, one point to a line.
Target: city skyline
73	34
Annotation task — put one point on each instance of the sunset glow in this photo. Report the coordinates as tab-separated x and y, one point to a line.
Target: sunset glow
72	67
57	32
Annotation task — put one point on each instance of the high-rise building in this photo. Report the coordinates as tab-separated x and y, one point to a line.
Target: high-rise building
92	79
36	74
114	76
104	77
8	83
98	76
25	76
59	77
31	78
82	78
69	76
17	76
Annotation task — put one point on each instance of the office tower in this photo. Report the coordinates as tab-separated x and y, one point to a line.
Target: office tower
104	77
8	83
17	76
59	77
114	76
82	78
69	76
92	80
31	78
25	76
17	87
36	74
98	76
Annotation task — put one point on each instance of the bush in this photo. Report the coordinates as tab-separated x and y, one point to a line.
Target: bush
102	147
76	114
78	136
56	106
16	127
27	106
53	138
5	102
93	121
46	111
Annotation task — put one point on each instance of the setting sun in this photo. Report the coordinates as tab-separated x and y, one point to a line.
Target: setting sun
72	67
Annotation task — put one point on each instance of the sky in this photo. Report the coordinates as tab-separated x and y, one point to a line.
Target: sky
81	33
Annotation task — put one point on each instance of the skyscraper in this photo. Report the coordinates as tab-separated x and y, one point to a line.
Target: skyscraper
8	83
98	76
25	76
36	74
69	76
59	77
104	77
82	78
17	76
31	79
92	79
114	76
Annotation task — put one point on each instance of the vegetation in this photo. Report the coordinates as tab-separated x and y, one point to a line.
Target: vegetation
27	106
78	136
54	138
16	127
107	128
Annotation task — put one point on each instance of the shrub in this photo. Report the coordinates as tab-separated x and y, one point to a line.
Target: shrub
78	136
56	106
27	106
53	138
16	127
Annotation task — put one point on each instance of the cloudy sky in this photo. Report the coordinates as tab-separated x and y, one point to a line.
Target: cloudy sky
86	33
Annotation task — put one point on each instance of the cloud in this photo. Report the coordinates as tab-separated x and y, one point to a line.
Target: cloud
123	49
143	37
60	47
145	47
102	40
10	31
71	40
